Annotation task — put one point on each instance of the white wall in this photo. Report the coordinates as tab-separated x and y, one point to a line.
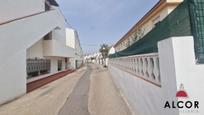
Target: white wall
143	97
13	76
73	41
177	59
35	50
70	37
72	63
78	45
54	64
10	10
55	48
59	33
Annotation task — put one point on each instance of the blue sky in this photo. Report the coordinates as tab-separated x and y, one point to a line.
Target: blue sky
103	21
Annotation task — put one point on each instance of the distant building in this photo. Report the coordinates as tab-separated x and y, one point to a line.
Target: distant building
74	42
162	9
94	58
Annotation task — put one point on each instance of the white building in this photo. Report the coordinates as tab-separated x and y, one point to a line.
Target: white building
74	42
94	58
162	9
32	42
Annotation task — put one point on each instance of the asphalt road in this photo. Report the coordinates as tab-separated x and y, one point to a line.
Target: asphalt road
95	94
77	102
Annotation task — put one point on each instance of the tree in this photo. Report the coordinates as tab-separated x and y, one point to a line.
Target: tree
104	50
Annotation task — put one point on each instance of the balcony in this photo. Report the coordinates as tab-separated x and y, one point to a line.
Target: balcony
54	48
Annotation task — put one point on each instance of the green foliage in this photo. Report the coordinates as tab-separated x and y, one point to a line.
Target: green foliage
196	8
104	50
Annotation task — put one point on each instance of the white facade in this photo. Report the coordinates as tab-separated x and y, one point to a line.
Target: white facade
73	42
23	27
11	10
147	23
35	50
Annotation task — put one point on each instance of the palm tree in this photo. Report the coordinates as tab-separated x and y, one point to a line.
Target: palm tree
104	51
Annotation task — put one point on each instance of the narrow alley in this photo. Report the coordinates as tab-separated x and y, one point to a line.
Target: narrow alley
112	57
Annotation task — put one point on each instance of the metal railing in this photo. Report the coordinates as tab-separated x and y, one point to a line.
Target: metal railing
145	67
37	67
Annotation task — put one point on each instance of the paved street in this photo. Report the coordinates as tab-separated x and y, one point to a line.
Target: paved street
77	102
88	91
104	97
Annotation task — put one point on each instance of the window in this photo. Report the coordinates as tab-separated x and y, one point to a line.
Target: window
37	67
66	63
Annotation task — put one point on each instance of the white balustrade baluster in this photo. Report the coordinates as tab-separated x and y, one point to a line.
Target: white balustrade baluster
144	67
150	68
142	71
135	71
156	69
133	64
138	66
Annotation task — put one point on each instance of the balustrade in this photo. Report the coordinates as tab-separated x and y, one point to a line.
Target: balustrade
144	66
